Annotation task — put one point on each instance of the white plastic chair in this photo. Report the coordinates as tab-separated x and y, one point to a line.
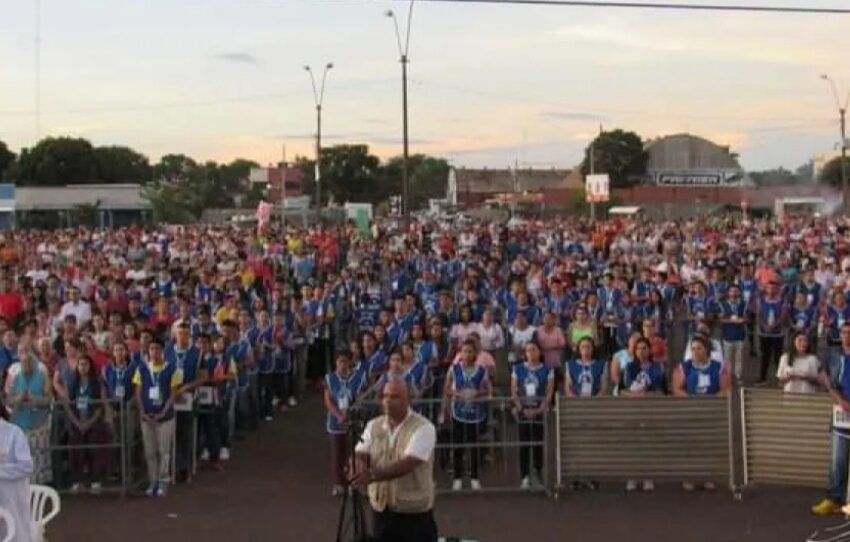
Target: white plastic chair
9	520
40	496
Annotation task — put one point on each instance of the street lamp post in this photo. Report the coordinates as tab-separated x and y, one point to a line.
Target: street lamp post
842	112
318	99
403	49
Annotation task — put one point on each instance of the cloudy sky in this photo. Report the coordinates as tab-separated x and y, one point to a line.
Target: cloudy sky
218	79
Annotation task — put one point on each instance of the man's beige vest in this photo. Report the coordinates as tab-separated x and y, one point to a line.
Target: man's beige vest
412	493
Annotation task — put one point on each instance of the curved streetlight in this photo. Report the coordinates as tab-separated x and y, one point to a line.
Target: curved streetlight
403	49
842	115
318	100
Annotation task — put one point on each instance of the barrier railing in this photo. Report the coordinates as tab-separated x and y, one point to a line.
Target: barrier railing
508	453
786	437
658	438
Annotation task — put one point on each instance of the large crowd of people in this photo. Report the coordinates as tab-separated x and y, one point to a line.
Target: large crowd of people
228	326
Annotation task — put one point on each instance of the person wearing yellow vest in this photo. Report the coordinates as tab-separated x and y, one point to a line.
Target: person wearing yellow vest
395	460
157	382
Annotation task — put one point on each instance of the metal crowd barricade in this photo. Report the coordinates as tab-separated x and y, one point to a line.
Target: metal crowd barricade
111	447
498	447
786	437
660	438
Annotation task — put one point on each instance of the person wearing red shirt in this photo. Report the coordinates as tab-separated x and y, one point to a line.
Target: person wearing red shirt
11	302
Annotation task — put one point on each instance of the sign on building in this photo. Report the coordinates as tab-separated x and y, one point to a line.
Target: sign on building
699	178
597	188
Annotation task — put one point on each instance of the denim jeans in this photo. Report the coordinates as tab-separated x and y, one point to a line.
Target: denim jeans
837	490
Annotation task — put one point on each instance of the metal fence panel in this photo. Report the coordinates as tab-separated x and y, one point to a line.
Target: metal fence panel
786	437
619	438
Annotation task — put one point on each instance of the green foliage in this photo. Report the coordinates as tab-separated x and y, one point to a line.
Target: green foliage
57	161
618	153
85	214
428	178
350	173
7	158
831	172
118	164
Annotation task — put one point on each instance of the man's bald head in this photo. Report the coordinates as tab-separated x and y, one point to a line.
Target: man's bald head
396	398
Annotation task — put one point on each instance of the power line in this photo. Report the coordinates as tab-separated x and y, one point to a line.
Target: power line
650	5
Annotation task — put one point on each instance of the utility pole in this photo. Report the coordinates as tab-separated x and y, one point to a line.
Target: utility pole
403	49
283	191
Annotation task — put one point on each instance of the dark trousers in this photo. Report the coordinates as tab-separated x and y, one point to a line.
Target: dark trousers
210	426
771	351
465	433
394	527
185	449
530	432
266	394
339	457
89	464
284	385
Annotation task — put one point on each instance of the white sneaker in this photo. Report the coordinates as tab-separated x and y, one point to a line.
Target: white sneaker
526	483
96	488
75	488
648	485
275	401
475	484
337	491
457	485
161	491
224	454
293	402
205	455
631	485
150	490
268	418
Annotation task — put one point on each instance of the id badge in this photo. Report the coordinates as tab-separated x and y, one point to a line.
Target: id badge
82	404
153	394
586	388
703	381
530	389
810	298
119	391
342	402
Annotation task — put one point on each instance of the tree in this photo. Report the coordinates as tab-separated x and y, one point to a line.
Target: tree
174	168
350	173
831	172
171	203
85	214
116	164
57	161
618	153
7	158
234	174
775	176
428	178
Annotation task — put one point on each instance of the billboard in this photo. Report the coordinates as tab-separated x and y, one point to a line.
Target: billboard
720	177
597	188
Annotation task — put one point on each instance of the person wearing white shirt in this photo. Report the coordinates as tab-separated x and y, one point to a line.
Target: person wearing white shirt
798	369
401	491
492	335
76	306
16	466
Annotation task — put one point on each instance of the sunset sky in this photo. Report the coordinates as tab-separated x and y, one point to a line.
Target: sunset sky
490	85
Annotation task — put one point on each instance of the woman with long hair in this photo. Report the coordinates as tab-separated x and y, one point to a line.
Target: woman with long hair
466	384
532	388
87	413
798	369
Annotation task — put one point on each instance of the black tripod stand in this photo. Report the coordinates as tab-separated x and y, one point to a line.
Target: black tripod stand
352	512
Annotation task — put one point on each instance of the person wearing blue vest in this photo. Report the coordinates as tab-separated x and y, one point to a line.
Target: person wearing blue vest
700	376
836	379
772	314
342	388
585	376
532	389
732	314
375	360
265	364
466	385
187	358
835	315
642	377
803	318
157	383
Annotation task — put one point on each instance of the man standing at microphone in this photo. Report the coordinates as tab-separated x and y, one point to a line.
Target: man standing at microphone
395	459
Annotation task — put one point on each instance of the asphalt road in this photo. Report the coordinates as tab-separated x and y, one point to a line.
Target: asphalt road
276	487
